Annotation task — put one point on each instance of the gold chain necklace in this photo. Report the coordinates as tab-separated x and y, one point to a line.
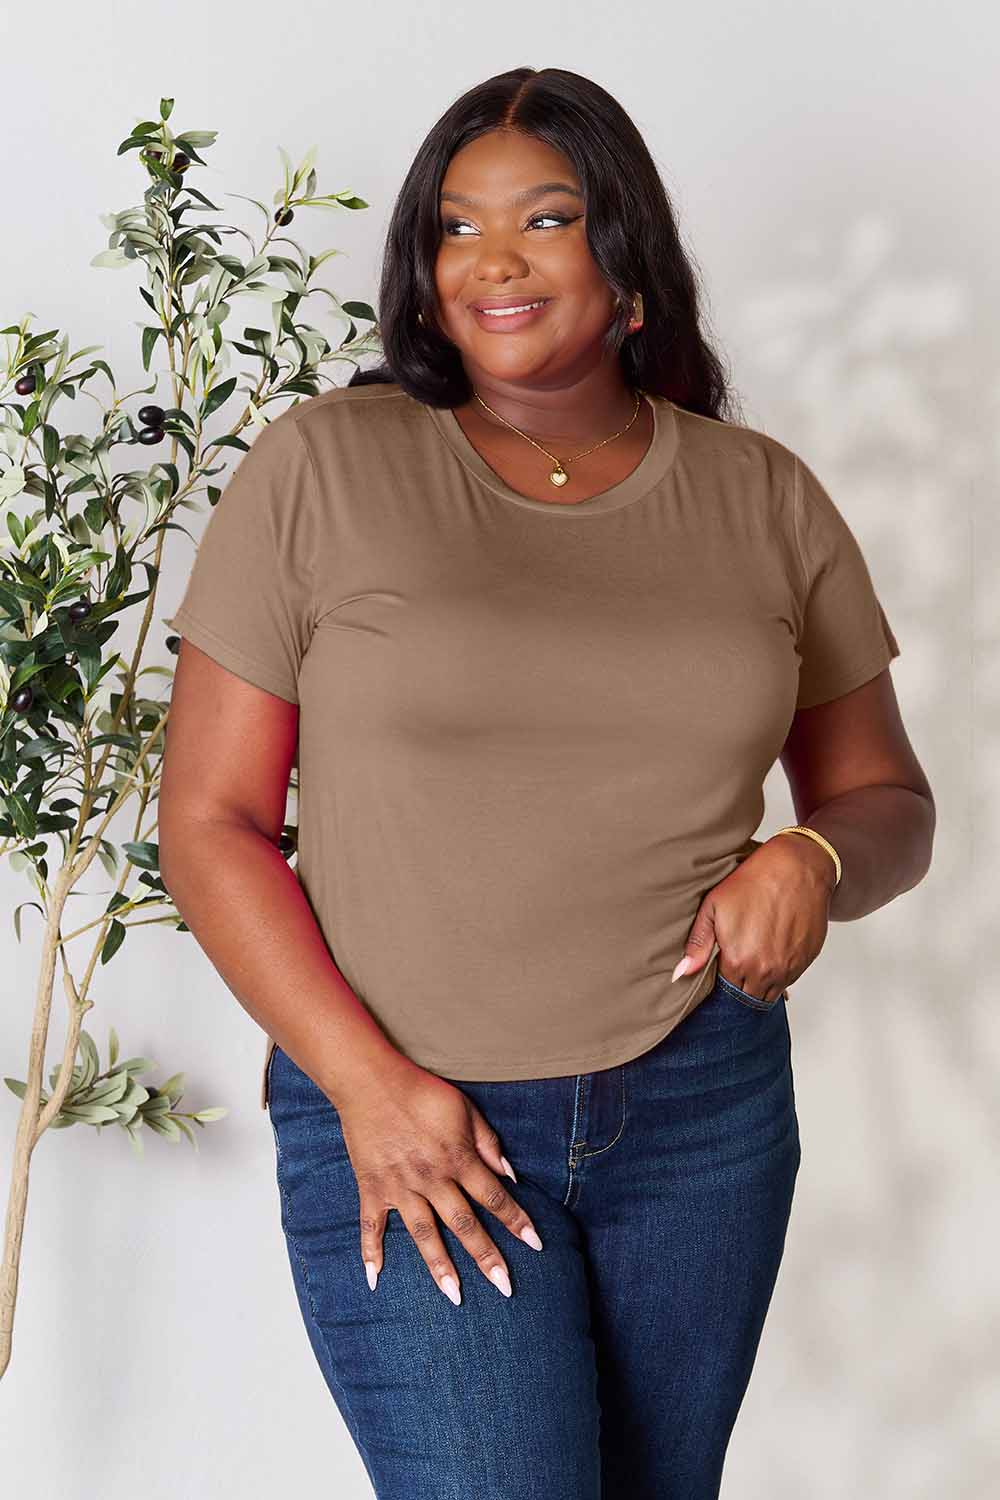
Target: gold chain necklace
558	475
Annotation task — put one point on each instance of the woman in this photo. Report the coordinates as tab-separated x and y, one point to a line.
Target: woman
537	619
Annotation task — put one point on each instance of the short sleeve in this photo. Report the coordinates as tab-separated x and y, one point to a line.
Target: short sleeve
845	638
248	600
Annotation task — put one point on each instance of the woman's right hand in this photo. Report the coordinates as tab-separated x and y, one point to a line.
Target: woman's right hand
416	1142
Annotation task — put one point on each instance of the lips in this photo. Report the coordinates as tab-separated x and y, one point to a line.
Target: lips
502	321
522	301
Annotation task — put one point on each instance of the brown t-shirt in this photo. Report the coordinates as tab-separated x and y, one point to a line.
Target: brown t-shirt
532	734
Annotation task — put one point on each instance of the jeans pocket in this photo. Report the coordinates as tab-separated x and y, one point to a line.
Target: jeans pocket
752	1001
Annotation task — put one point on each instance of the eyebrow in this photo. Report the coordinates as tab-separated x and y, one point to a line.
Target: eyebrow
526	196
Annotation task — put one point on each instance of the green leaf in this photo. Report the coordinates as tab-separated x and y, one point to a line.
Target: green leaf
216	1112
149	337
126	741
146	855
91	1060
217	396
109	1090
50	445
113	258
359	310
38	749
113	941
193	192
138	1065
24	818
173	1088
265	292
173	476
91	1114
17	915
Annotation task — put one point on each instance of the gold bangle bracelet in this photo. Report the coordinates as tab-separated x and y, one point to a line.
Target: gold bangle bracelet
818	837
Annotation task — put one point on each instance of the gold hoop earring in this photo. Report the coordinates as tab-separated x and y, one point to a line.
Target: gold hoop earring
636	320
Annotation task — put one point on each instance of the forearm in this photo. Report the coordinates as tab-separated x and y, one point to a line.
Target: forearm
884	836
251	917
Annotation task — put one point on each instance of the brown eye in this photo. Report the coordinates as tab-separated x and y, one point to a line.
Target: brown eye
451	224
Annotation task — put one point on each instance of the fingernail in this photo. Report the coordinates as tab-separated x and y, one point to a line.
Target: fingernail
371	1272
682	967
499	1275
449	1286
507	1167
530	1237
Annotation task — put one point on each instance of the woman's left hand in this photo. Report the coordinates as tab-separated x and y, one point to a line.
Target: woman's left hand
769	917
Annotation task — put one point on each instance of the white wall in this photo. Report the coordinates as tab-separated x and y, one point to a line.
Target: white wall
831	168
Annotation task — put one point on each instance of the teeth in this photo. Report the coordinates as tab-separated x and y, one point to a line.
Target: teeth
505	312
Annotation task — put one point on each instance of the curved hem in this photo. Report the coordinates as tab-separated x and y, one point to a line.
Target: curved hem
568	1067
565	1067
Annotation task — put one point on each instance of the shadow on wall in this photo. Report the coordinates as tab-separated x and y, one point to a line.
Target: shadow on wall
877	375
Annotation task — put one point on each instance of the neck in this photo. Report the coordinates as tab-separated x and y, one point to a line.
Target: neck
573	413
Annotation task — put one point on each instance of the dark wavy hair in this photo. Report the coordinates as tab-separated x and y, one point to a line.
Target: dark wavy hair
631	230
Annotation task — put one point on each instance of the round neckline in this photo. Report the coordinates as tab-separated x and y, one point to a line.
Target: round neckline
654	464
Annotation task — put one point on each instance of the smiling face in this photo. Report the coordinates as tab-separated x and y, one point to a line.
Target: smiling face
508	234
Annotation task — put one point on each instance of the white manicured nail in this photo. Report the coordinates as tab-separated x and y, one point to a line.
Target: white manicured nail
682	967
371	1273
502	1280
449	1286
507	1167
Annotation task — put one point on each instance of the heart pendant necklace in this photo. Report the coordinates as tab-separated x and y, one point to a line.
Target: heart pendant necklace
558	476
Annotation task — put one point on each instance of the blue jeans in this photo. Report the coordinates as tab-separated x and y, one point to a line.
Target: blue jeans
661	1189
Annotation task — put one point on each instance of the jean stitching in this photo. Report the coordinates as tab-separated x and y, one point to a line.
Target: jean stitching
577	1095
751	1001
598	1149
574	1143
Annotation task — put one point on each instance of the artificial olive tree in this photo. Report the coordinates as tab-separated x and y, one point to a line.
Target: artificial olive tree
82	715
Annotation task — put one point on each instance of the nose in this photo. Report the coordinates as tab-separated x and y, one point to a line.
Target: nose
498	262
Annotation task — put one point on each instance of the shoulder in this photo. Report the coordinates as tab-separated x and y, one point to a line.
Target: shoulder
731	449
379	408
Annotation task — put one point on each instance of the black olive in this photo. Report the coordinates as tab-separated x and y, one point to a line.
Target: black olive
284	216
25	385
151	416
22	700
80	610
148	435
